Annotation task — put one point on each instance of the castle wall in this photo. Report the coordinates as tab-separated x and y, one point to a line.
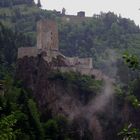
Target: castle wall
27	51
85	63
47	46
84	71
47	35
72	61
75	19
66	69
80	62
81	14
51	54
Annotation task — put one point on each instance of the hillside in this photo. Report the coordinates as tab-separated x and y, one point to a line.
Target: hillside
88	37
88	104
39	102
21	16
91	37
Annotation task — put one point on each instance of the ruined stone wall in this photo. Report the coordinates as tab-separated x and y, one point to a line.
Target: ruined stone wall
97	73
72	61
81	14
66	69
85	63
82	65
27	51
75	19
80	62
51	54
47	35
84	71
47	46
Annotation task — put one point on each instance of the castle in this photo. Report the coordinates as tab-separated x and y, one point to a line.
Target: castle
48	47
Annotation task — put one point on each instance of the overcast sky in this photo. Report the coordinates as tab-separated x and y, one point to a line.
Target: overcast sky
127	8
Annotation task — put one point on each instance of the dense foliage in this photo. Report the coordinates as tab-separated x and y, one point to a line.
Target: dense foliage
9	43
20	117
94	37
83	82
10	3
88	38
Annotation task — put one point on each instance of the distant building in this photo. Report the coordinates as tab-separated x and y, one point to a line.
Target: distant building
81	14
58	13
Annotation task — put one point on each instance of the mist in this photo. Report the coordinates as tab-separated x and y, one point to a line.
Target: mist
99	103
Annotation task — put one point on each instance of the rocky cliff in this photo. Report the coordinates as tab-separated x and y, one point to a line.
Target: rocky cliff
69	94
91	107
51	88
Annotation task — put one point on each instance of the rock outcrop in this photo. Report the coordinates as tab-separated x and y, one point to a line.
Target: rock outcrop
60	97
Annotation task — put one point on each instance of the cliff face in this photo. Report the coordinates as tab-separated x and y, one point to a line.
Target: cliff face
86	109
58	95
53	93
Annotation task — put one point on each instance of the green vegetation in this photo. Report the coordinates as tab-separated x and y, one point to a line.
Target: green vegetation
57	128
94	38
6	130
10	3
129	133
9	43
83	82
131	60
20	117
19	114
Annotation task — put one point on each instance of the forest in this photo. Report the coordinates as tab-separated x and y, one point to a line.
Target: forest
26	113
9	3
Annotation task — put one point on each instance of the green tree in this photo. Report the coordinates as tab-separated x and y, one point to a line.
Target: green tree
35	120
7	131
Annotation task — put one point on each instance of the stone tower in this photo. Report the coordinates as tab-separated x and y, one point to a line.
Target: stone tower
47	35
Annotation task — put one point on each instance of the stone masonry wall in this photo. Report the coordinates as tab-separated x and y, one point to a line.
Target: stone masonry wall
80	62
47	35
48	46
27	51
85	63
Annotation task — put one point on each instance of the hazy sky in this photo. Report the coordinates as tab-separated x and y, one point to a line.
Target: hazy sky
127	8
